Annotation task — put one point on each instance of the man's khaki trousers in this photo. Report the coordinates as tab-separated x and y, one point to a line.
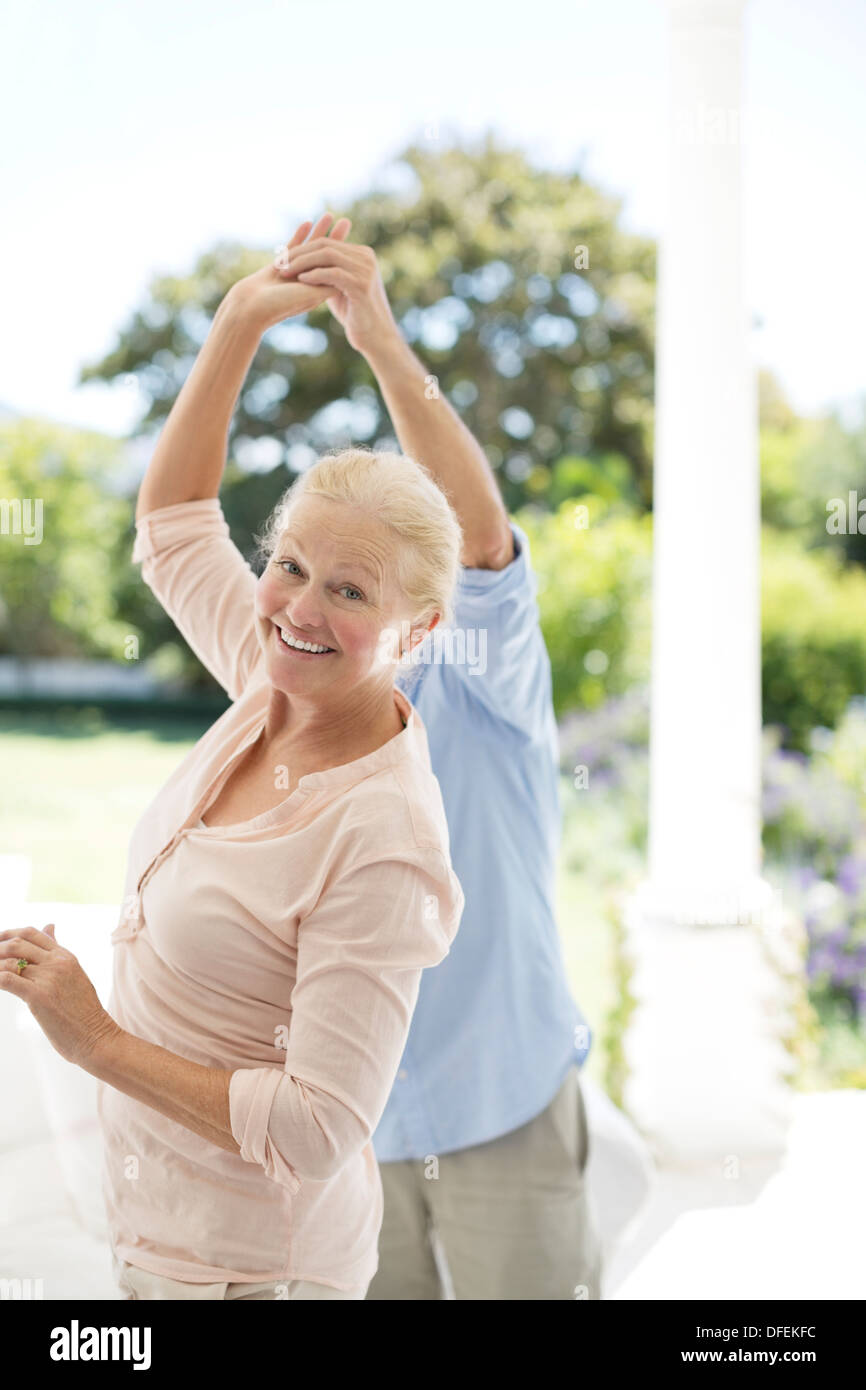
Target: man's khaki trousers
511	1217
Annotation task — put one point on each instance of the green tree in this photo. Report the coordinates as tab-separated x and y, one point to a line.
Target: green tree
545	357
805	466
774	409
58	592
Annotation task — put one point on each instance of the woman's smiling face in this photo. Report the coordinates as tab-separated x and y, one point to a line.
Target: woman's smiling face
330	583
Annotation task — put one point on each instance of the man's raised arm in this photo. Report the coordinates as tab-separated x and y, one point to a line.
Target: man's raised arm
430	429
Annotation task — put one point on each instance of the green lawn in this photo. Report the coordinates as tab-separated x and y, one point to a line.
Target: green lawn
74	783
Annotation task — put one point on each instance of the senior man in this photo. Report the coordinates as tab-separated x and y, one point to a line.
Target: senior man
484	1138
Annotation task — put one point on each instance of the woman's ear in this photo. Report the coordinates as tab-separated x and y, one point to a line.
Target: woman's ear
418	632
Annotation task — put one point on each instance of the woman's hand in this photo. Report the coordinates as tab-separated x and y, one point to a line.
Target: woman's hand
350	276
57	992
268	296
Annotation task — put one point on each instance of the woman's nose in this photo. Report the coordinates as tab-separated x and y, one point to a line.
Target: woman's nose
304	609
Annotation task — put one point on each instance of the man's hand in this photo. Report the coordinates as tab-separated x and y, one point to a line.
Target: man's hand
350	277
269	296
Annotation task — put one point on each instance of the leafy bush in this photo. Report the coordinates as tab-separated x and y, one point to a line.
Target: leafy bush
594	600
814	636
804	465
611	478
593	597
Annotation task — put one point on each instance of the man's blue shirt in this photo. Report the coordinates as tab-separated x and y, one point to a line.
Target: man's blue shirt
495	1029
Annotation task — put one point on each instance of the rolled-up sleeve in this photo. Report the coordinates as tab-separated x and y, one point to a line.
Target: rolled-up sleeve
510	674
204	584
361	952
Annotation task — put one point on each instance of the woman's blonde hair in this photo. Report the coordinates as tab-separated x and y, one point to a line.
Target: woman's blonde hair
400	492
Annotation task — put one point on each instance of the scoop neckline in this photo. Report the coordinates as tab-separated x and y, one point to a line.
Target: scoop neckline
308	782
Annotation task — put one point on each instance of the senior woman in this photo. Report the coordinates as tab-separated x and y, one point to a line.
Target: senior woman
290	881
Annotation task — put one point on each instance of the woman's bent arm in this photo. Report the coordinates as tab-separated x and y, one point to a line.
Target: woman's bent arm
186	1092
190	455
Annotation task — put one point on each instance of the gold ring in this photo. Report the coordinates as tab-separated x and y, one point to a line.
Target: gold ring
21	964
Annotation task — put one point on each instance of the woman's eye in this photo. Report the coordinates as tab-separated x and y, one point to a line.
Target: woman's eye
292	568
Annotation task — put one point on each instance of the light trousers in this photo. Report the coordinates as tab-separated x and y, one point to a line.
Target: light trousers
511	1217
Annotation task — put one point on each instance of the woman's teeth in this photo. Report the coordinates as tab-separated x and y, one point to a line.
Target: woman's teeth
315	647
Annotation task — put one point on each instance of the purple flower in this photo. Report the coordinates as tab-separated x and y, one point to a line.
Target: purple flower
851	874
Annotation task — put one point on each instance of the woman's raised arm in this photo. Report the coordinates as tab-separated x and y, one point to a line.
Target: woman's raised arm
190	456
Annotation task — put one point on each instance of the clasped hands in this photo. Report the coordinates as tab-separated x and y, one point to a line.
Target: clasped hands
315	267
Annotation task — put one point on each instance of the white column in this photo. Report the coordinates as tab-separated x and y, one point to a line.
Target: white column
706	714
705	1077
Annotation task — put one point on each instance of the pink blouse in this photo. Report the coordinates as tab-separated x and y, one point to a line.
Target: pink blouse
287	948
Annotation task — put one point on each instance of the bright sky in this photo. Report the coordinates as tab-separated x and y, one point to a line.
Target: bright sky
138	133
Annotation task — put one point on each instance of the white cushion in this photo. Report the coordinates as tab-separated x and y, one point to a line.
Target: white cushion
68	1093
42	1243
